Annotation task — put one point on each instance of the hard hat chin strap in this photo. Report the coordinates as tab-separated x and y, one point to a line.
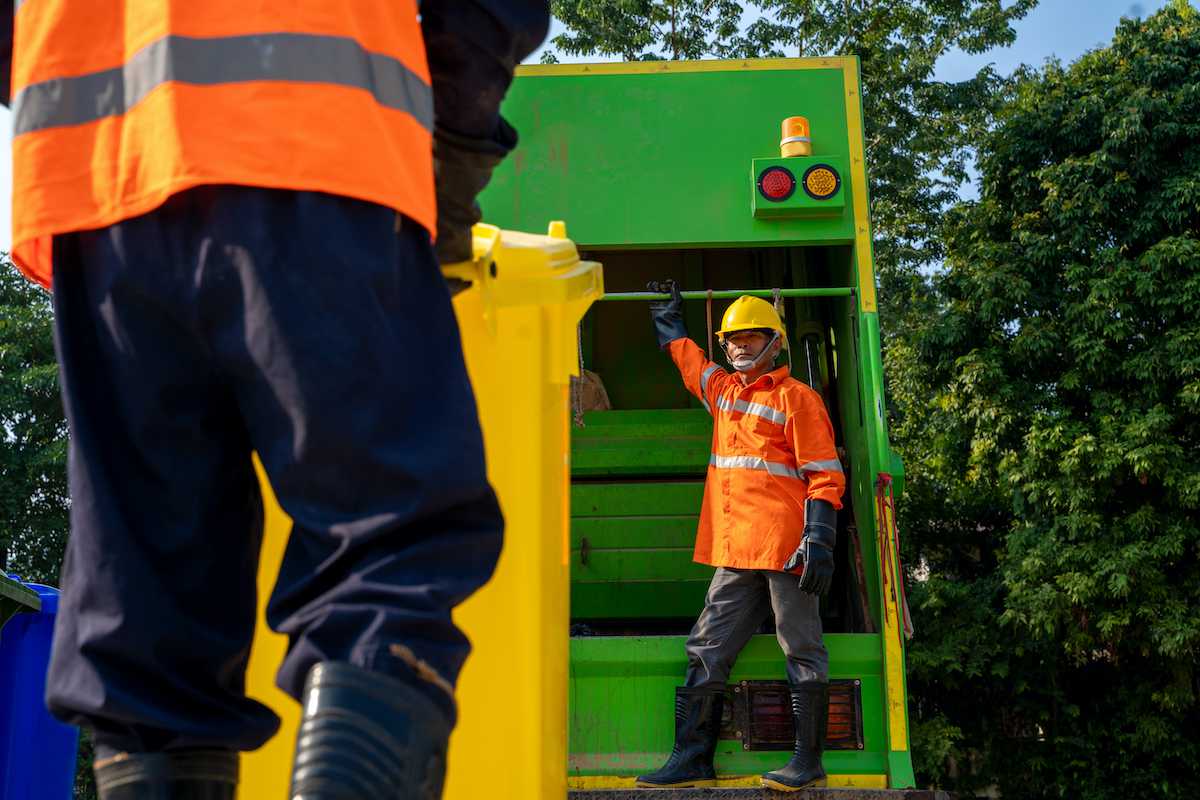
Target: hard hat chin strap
750	364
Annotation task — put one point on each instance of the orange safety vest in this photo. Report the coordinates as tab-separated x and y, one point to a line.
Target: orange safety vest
772	449
119	104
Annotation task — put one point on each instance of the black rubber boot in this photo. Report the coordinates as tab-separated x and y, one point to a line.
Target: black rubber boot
367	736
697	723
810	712
174	775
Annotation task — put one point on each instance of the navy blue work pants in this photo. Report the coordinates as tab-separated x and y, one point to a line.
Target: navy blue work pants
317	331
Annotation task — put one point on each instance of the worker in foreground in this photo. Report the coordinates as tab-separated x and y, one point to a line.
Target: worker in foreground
234	203
771	497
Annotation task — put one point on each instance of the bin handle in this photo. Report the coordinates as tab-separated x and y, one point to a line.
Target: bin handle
481	266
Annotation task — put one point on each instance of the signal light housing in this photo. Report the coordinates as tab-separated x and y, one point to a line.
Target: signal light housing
799	187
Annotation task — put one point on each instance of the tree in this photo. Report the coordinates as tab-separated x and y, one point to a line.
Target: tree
33	433
919	131
1049	413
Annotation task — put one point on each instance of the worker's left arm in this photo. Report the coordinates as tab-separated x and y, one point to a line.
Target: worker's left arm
473	47
811	434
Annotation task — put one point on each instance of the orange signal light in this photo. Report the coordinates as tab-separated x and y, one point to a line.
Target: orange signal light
796	140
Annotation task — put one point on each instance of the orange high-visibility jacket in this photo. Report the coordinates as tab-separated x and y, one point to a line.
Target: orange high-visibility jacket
772	449
118	104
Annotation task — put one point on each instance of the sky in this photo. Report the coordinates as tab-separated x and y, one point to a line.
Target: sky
1055	28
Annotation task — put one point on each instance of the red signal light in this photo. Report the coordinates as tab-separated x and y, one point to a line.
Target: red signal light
776	184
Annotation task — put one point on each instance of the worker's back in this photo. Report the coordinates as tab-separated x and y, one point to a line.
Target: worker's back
119	105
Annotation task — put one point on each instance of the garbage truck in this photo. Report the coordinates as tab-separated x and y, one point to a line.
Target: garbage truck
731	177
699	171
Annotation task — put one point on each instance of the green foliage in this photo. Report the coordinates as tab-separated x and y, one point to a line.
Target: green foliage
33	433
85	781
918	130
1047	401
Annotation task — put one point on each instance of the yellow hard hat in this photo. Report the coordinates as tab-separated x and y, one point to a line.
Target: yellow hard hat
750	313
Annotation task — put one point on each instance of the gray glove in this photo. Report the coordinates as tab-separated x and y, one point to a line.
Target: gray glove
816	548
462	167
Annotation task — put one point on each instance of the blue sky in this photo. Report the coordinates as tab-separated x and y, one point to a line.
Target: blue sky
1062	28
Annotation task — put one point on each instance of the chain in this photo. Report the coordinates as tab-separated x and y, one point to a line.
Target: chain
778	303
577	385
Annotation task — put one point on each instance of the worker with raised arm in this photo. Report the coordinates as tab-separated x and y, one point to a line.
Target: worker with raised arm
234	204
771	497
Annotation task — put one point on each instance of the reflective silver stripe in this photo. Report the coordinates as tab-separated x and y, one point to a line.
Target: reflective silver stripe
754	462
830	465
704	376
757	409
294	57
766	412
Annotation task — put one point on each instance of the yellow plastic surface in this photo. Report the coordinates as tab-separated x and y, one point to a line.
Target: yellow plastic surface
518	324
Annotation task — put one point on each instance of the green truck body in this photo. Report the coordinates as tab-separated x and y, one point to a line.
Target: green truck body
656	168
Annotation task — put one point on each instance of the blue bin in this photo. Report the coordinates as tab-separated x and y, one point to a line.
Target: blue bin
37	752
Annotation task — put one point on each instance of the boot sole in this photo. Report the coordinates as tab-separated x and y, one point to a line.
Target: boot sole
700	784
784	787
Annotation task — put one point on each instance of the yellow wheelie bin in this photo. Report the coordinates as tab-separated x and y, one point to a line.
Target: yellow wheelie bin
518	322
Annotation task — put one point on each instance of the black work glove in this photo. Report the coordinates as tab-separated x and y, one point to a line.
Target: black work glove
667	314
462	167
816	548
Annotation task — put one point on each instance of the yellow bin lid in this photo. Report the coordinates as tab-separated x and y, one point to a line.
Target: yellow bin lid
520	269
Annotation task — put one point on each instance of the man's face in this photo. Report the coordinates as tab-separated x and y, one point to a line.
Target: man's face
745	344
